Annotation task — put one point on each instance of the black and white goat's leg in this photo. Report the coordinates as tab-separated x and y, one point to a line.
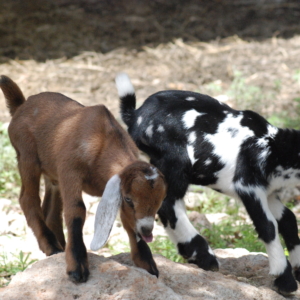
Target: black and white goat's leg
287	226
190	244
256	203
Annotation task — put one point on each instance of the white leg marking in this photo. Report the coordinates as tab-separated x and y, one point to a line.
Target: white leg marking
184	230
276	256
277	259
275	206
295	257
210	251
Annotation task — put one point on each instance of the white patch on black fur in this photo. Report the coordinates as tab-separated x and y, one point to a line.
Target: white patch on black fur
208	162
190	98
191	153
184	231
294	256
160	128
192	137
227	149
190	117
139	120
149	131
124	85
264	143
190	147
272	131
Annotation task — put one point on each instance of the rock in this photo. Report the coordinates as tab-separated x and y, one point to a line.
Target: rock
4	202
217	218
253	267
198	219
116	278
193	200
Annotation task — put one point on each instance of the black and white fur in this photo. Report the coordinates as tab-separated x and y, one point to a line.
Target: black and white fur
195	139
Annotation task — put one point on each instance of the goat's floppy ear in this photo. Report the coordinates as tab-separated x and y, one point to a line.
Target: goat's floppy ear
106	212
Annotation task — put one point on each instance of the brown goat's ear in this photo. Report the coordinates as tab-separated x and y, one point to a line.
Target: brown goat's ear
106	212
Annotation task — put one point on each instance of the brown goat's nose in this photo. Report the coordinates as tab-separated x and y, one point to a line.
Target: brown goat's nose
144	227
146	231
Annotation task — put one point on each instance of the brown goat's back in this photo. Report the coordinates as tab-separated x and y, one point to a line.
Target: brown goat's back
67	135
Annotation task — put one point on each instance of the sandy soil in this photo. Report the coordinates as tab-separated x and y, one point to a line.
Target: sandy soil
76	47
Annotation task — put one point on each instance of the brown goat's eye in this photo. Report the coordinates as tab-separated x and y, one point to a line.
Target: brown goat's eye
128	201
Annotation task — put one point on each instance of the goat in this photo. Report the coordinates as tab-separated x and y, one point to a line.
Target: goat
78	148
195	139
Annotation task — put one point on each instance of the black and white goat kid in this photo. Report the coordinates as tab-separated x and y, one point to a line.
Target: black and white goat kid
195	139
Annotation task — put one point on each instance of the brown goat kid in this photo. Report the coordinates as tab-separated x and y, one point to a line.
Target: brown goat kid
77	149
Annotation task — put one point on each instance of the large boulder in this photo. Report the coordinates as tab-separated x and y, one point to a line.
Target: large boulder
242	275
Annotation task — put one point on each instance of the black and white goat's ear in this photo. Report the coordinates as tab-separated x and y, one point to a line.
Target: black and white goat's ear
106	212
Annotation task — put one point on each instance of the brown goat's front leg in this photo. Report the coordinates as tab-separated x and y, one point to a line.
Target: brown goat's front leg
74	212
140	251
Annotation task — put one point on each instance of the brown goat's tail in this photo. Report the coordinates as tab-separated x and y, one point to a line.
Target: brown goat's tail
12	93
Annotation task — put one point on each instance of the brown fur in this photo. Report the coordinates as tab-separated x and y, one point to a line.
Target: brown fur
76	149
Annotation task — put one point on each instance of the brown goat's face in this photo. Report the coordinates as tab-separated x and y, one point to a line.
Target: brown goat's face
143	189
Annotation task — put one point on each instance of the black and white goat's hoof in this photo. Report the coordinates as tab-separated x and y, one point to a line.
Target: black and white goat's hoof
206	262
297	273
198	252
285	283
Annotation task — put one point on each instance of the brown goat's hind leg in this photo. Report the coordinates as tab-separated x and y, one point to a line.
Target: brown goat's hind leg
52	210
140	252
74	212
31	205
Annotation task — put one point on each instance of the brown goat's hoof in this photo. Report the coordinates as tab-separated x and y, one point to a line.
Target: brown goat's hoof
153	269
144	259
78	276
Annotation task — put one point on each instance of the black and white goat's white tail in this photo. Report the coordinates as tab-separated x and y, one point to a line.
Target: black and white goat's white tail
127	97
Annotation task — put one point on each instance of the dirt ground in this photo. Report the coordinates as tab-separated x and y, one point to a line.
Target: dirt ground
77	47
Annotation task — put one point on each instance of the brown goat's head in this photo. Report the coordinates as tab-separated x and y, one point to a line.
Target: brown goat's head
139	191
